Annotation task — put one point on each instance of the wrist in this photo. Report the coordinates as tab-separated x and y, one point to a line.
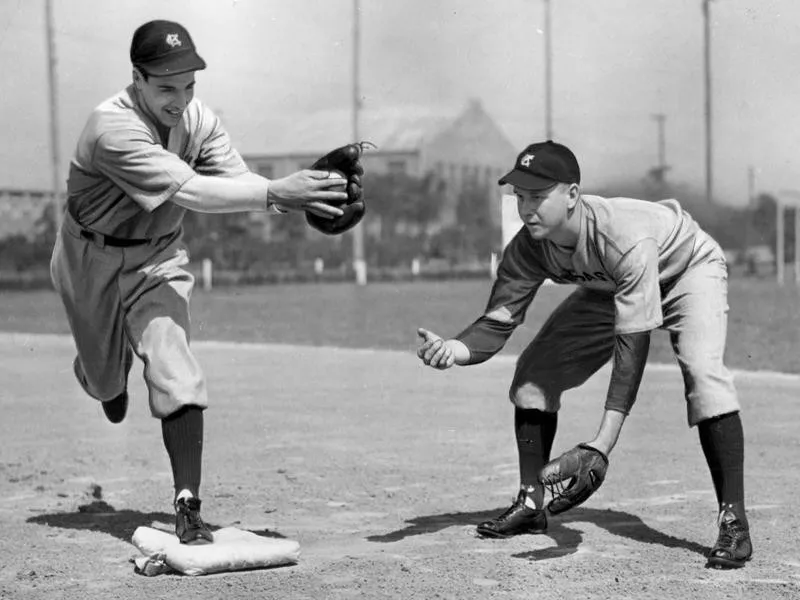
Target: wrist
604	447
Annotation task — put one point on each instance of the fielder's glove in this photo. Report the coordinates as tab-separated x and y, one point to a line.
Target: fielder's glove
573	477
346	161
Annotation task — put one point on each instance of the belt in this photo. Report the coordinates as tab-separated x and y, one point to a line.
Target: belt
102	239
109	240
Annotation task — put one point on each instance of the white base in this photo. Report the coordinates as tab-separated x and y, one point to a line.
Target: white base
233	550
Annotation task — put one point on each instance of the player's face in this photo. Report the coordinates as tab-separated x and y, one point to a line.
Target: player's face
166	97
544	212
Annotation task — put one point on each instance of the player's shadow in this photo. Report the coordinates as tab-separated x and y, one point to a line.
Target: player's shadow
101	516
567	538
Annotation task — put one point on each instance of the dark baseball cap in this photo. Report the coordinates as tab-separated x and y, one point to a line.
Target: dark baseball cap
542	165
162	48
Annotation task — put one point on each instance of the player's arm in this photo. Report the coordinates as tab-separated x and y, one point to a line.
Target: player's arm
637	303
514	288
630	358
303	190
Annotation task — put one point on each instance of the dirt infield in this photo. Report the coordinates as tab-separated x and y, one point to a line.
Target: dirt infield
380	469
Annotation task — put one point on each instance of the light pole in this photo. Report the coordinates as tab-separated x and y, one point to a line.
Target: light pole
52	80
708	119
359	263
548	73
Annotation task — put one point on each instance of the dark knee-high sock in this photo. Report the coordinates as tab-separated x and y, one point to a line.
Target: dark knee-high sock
183	439
535	431
722	439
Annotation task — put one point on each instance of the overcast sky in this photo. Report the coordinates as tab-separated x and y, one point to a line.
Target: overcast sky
616	63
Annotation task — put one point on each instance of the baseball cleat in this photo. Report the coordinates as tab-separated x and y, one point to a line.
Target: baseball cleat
117	408
516	520
733	547
189	527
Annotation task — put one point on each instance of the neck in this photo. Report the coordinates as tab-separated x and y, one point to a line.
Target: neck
568	235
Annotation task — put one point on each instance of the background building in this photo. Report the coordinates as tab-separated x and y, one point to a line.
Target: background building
462	149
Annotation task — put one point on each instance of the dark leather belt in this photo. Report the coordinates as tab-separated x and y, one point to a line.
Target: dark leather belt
109	240
102	239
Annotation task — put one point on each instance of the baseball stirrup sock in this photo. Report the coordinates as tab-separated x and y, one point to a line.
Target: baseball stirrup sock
722	440
183	438
535	431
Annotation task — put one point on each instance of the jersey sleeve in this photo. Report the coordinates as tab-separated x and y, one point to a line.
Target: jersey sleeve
637	298
519	277
513	290
217	157
142	168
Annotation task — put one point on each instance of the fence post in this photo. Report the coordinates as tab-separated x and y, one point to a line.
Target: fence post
207	274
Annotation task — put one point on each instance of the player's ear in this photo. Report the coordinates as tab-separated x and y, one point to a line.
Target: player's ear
573	195
138	78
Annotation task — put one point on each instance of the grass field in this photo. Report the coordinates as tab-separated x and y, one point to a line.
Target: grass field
764	320
333	434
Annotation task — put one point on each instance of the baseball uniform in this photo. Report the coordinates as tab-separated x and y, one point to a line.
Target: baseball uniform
638	266
119	263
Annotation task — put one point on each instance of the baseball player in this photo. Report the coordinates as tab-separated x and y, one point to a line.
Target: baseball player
638	266
146	155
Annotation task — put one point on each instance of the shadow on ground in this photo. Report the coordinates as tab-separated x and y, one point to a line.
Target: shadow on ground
101	516
567	538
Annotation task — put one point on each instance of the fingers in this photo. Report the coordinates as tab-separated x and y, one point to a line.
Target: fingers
425	334
436	353
321	209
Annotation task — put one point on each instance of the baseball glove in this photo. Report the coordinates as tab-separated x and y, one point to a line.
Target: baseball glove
573	477
346	161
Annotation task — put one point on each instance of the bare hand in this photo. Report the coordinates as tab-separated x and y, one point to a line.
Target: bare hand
310	191
434	351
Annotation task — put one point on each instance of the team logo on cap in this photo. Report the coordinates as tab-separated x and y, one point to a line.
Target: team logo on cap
173	41
526	160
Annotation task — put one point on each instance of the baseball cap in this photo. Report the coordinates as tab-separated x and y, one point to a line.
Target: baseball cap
542	165
162	48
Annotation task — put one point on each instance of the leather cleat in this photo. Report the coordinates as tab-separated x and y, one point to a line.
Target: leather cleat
733	547
518	519
117	408
189	527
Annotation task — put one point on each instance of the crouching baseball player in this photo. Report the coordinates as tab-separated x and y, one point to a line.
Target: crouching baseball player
146	155
638	266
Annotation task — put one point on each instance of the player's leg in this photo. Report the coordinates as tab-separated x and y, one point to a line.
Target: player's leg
575	341
696	315
157	318
85	275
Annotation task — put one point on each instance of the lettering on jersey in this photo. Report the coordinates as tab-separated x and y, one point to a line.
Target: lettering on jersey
526	160
173	41
577	277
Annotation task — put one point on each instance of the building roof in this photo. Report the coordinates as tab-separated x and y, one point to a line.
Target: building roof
395	129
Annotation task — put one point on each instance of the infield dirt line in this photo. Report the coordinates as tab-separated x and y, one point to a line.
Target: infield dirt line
18	338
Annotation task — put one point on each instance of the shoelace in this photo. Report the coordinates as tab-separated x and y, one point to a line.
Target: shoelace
728	534
517	503
194	518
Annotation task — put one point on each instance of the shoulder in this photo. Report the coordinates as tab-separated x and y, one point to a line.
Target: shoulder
116	116
199	119
616	224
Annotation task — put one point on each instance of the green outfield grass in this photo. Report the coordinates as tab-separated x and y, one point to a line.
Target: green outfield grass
763	331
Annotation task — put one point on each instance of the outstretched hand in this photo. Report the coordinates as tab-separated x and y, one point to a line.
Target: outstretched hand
310	191
435	351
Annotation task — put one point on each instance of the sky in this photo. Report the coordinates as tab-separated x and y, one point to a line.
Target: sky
616	64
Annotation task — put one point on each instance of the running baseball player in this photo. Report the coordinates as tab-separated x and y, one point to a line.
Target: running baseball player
638	266
146	155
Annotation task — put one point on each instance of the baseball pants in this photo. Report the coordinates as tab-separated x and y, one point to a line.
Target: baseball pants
125	301
578	339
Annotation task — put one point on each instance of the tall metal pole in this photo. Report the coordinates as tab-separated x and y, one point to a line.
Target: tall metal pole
779	242
548	73
359	264
708	119
52	79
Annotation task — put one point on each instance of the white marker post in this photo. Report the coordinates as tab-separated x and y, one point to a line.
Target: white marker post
207	274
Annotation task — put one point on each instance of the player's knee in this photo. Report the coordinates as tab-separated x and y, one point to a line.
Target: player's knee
528	396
